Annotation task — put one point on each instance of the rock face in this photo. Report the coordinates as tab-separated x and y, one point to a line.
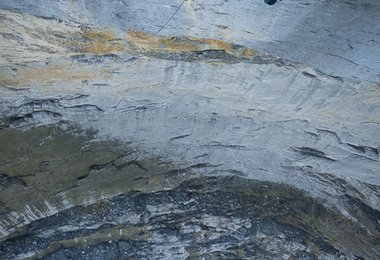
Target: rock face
239	131
338	37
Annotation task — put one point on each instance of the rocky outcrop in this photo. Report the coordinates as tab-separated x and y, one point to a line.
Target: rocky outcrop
115	140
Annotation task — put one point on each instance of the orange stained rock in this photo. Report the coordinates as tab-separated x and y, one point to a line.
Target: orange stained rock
96	41
144	42
47	74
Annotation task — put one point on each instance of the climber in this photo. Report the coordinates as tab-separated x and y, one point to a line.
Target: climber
270	2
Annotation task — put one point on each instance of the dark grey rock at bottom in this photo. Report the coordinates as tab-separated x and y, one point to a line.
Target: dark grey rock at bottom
206	218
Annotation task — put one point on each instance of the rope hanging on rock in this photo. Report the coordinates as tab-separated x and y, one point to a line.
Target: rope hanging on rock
269	2
168	21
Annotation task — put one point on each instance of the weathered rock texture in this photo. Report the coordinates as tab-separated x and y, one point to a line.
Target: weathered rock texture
241	131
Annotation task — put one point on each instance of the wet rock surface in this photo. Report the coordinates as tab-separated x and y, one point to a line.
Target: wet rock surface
222	139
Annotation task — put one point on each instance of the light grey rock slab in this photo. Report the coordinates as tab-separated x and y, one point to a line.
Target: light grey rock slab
262	121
